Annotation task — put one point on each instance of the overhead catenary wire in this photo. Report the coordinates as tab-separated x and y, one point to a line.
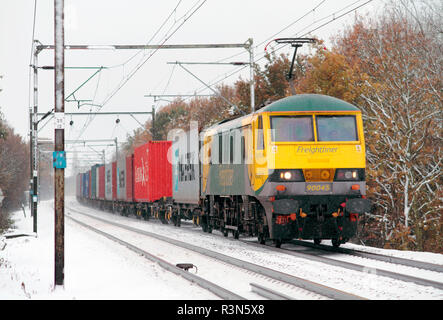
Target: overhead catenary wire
134	71
185	18
217	80
150	40
167	84
236	70
98	106
275	34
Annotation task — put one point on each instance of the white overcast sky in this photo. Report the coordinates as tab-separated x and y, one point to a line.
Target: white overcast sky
107	22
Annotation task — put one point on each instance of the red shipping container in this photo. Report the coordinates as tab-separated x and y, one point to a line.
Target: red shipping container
129	178
114	180
152	171
101	182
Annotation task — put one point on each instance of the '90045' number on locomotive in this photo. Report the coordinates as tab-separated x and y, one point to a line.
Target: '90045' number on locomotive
318	187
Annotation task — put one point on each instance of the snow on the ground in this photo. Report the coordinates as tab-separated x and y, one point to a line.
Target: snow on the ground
97	268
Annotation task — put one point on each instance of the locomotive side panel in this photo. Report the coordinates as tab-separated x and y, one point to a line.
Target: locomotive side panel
226	157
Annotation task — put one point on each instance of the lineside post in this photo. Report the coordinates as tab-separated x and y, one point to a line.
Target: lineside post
59	158
34	146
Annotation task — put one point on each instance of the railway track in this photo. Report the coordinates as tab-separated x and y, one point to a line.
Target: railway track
268	293
283	281
374	256
315	256
318	249
406	268
358	267
212	287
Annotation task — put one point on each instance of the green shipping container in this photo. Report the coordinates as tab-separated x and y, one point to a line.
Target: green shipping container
94	171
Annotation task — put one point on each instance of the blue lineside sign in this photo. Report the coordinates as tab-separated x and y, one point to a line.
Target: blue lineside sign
59	159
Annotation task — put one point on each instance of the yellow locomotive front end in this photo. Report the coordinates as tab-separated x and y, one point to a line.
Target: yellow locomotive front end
309	168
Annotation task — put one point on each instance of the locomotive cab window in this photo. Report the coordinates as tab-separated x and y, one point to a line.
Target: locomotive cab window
336	128
260	137
291	129
220	149
231	149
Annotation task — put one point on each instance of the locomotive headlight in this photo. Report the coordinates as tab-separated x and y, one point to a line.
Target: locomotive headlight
286	175
349	175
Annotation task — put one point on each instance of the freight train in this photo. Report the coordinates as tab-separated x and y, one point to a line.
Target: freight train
293	169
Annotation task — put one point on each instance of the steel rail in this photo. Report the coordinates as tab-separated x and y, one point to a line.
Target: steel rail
274	274
360	268
355	267
217	290
268	293
375	256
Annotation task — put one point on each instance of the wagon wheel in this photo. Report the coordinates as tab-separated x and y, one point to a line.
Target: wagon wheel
204	224
261	238
262	229
336	242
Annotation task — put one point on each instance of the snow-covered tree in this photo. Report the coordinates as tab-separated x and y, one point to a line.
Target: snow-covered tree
401	53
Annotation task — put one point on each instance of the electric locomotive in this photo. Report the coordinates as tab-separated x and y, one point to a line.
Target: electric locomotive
293	169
